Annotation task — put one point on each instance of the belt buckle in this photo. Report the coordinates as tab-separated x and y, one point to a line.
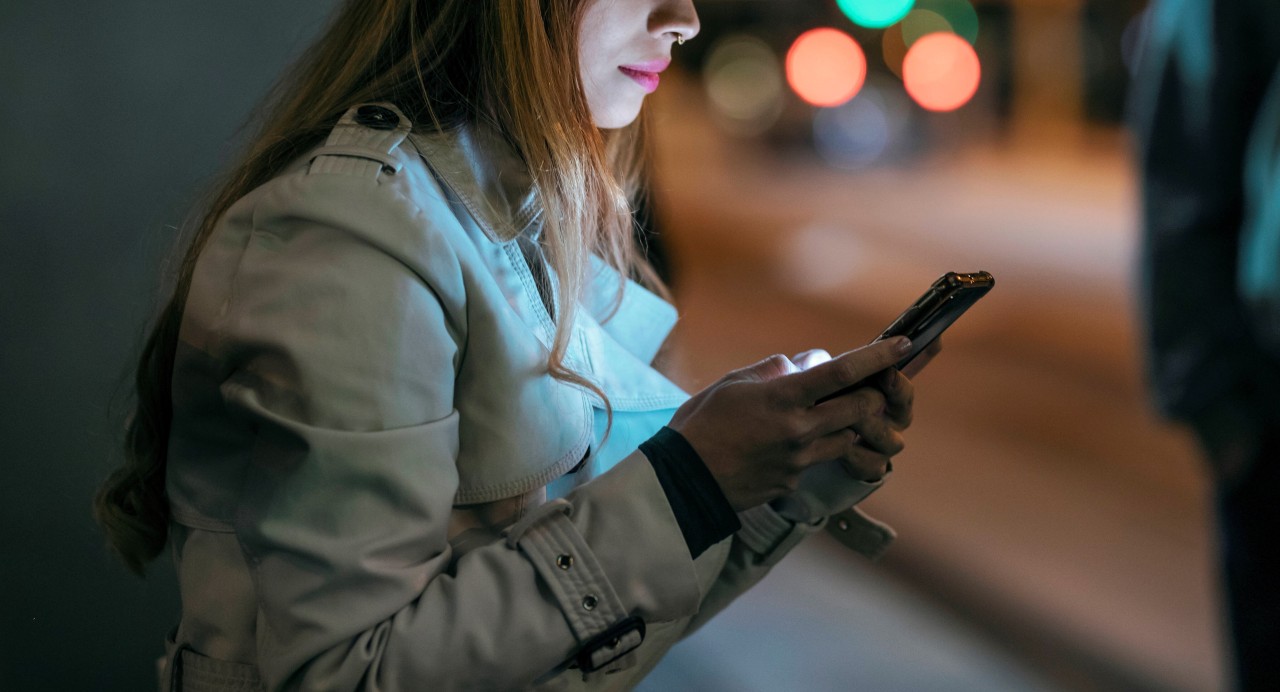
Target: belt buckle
609	640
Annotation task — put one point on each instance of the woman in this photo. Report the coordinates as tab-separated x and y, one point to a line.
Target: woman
398	422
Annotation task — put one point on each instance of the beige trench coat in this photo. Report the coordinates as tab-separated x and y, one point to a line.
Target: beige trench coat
370	471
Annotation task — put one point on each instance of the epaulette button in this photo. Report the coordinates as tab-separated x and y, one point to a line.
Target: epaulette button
377	118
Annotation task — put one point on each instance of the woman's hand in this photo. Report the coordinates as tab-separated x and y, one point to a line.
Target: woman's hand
899	395
757	429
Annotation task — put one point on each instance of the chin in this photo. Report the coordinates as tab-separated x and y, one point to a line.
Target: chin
618	116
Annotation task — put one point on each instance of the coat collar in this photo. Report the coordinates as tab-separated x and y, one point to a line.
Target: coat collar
480	167
491	181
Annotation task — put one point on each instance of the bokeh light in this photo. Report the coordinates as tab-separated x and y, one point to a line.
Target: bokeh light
864	131
928	17
894	50
826	67
875	14
941	72
743	79
920	23
960	17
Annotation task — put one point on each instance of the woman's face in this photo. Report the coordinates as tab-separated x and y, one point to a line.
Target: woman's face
622	47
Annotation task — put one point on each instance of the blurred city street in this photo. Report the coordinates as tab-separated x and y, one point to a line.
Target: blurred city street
1041	508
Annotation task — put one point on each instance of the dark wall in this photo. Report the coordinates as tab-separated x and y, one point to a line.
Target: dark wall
112	116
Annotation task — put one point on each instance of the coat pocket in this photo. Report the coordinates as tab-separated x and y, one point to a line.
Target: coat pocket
188	671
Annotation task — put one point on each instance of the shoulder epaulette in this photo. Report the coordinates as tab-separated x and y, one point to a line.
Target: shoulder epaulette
363	142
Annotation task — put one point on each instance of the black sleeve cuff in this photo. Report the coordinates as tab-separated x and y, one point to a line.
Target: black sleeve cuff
704	514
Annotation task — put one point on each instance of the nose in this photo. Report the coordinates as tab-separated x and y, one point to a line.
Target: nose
673	19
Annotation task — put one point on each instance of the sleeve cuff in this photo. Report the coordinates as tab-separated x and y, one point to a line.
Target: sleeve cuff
700	507
825	489
770	535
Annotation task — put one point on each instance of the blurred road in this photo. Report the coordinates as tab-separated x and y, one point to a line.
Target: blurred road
1038	500
826	620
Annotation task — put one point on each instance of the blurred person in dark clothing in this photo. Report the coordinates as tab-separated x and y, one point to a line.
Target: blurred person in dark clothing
1206	112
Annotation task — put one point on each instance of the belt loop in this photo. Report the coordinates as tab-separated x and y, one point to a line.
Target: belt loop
517	530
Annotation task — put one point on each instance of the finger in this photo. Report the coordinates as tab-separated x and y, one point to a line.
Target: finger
833	445
879	434
850	368
847	410
864	412
926	356
865	464
810	358
899	396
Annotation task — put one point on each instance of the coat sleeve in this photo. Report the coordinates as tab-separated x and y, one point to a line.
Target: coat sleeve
341	356
767	536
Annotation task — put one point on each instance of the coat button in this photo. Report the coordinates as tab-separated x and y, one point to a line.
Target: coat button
589	603
843	524
377	118
564	562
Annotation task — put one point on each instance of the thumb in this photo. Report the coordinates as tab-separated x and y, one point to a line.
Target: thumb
810	358
770	368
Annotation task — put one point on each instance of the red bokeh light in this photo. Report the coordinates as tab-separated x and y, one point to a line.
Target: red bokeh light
941	72
826	67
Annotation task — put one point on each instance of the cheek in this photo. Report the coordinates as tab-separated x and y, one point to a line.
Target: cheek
608	95
596	88
613	100
592	42
588	66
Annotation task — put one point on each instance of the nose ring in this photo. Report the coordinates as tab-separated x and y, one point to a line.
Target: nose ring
679	38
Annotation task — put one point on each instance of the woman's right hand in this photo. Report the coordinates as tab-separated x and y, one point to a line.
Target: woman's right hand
757	429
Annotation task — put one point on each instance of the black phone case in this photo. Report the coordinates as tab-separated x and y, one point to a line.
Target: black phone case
945	301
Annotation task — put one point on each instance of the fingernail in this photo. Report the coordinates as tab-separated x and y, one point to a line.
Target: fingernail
903	345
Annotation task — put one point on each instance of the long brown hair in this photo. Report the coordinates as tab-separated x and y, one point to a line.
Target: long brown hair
512	65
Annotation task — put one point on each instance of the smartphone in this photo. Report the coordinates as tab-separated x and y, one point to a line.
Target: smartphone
940	306
945	301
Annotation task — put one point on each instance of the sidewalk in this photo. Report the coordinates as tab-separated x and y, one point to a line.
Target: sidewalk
826	619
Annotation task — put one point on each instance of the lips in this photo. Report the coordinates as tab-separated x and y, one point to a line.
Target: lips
645	73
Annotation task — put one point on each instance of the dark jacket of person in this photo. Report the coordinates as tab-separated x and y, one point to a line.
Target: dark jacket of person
1207	119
